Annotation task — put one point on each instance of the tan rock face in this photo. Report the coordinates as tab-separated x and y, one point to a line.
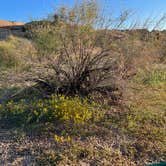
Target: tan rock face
9	23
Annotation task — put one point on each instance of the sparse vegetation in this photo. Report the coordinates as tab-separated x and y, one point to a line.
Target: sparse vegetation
79	90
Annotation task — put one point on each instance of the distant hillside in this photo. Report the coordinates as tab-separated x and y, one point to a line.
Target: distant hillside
141	34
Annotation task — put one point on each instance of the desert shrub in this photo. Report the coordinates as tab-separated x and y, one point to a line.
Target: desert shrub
16	53
57	108
43	35
80	64
6	57
78	44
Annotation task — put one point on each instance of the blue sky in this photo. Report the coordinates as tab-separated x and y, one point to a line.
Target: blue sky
25	10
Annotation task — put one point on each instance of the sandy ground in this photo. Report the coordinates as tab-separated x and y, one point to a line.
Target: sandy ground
17	151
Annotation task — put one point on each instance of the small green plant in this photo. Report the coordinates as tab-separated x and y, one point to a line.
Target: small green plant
154	77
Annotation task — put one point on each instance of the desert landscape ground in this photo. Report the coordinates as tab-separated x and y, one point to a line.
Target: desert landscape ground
78	90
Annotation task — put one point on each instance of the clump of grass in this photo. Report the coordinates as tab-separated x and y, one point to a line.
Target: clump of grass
15	53
6	54
153	77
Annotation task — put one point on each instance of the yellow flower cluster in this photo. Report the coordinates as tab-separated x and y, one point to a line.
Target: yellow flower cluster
60	108
62	139
71	109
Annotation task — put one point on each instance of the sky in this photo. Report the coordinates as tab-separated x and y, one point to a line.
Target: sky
27	10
